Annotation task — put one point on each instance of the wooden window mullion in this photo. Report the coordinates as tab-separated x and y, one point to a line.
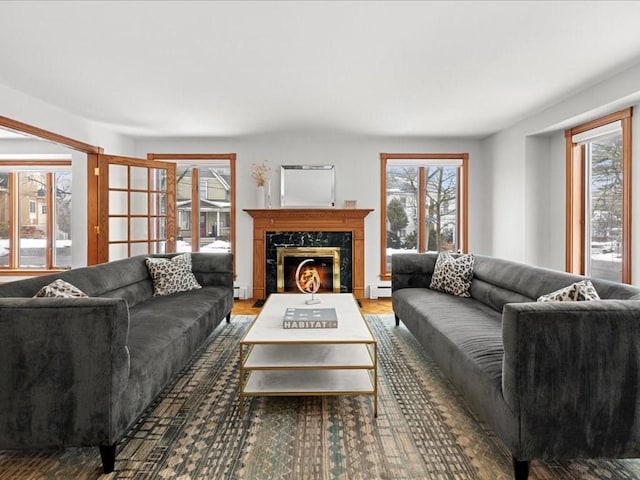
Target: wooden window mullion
14	238
423	241
195	210
50	237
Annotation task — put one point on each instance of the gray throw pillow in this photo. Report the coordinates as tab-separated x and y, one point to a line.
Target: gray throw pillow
172	275
453	274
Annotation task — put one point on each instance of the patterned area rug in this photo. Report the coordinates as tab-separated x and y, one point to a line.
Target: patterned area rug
424	430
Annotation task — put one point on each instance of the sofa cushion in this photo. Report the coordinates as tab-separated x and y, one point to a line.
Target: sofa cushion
60	289
164	333
576	292
172	275
453	274
526	280
494	296
464	336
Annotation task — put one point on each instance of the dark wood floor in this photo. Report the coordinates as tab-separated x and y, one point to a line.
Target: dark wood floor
380	306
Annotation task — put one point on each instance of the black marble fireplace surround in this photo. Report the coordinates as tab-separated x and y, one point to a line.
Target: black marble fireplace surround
273	240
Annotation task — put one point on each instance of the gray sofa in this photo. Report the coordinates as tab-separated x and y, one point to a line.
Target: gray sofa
554	380
80	371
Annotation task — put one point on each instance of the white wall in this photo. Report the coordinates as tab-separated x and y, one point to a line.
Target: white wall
25	109
536	185
356	158
527	172
556	204
517	191
357	161
78	209
29	110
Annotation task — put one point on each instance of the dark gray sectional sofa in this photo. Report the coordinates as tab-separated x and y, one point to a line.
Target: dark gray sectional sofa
80	371
554	380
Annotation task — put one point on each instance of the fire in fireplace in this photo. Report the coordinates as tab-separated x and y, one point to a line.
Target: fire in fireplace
303	269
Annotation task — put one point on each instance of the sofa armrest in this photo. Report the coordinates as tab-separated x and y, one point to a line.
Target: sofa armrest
213	269
571	375
63	364
412	270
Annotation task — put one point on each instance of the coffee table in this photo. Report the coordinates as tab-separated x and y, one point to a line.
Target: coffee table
275	361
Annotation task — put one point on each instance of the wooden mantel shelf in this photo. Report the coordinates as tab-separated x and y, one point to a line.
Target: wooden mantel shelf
308	220
304	213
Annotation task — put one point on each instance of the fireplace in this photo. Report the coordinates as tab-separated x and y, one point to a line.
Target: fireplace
304	270
308	228
317	245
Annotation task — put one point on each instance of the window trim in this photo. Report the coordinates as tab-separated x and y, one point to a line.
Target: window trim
575	194
462	199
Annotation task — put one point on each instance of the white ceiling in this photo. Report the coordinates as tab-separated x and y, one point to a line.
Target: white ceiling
372	67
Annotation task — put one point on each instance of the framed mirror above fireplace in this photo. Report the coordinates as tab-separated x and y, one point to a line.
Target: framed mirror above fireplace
308	186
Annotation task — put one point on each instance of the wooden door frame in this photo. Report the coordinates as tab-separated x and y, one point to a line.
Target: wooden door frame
102	175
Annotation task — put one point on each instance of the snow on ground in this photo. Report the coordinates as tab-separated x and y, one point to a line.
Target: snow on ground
216	246
33	243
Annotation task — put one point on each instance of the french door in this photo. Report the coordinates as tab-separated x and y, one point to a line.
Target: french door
136	201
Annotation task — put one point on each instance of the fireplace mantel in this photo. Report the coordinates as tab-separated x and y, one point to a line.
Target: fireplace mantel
308	220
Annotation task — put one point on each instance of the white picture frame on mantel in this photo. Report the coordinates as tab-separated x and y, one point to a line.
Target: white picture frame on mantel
307	186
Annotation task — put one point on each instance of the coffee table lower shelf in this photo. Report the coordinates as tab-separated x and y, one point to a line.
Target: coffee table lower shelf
305	382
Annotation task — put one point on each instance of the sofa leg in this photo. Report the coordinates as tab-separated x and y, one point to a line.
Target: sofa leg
520	469
229	317
108	455
397	320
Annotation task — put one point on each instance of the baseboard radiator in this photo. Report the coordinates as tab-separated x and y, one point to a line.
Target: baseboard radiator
239	291
380	290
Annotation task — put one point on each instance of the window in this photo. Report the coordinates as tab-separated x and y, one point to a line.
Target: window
599	198
29	238
204	201
212	202
423	204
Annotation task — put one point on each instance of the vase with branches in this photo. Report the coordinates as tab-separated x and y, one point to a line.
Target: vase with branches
260	173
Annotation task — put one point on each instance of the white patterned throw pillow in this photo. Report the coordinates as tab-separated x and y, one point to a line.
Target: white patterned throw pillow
172	275
453	274
60	289
576	292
